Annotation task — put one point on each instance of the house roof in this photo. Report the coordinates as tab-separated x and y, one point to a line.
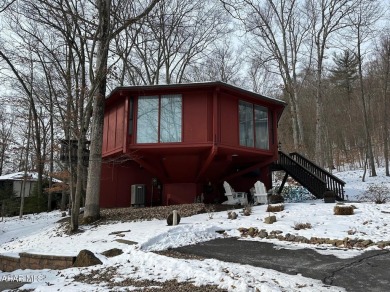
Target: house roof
142	88
18	176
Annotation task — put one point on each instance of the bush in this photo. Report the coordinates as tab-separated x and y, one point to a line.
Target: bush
343	210
275	208
247	210
377	193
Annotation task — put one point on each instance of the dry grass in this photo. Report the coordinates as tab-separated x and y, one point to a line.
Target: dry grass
343	210
247	210
275	208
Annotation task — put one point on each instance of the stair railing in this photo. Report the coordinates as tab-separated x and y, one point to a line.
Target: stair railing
333	183
305	177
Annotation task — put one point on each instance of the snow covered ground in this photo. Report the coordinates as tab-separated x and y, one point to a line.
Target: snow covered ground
40	234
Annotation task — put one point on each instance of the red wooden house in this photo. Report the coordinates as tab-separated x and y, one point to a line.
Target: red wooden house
183	140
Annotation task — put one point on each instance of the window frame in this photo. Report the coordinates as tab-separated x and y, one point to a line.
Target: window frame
159	109
254	139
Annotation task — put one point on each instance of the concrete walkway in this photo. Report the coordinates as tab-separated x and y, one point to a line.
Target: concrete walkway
367	272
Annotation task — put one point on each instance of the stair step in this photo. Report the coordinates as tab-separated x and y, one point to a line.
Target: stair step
316	179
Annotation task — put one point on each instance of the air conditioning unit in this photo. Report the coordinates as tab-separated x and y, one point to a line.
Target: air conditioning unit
138	195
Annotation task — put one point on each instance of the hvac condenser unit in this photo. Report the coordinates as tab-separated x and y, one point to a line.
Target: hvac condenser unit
138	195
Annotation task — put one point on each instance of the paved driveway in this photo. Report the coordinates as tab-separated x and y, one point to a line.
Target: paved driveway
367	272
5	285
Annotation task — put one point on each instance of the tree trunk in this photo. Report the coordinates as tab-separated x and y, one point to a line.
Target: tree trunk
79	185
319	157
92	209
63	200
386	134
23	187
365	111
49	196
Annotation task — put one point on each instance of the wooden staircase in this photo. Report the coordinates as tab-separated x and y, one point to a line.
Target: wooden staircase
313	177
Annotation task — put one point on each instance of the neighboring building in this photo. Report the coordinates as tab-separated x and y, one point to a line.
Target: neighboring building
177	142
14	181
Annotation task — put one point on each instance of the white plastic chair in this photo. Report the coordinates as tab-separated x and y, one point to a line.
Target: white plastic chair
260	196
233	197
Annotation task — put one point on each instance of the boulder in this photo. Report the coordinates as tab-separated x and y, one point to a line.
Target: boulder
112	252
170	219
270	219
86	258
232	215
263	233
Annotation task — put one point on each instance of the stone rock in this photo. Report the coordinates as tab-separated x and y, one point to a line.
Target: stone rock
125	241
86	258
232	215
289	237
275	199
301	239
252	231
329	197
112	252
366	243
262	233
276	232
247	212
170	219
383	244
63	214
270	219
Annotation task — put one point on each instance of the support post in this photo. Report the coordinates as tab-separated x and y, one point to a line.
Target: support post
283	183
174	217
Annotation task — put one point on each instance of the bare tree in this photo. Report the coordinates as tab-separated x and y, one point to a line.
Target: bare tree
176	35
106	31
381	71
4	4
223	64
278	30
364	16
35	115
326	17
6	130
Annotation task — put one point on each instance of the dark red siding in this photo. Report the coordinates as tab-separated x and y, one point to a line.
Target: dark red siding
114	125
195	120
228	120
208	154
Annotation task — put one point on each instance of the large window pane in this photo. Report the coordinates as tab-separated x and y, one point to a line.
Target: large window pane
170	118
261	124
147	119
246	124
